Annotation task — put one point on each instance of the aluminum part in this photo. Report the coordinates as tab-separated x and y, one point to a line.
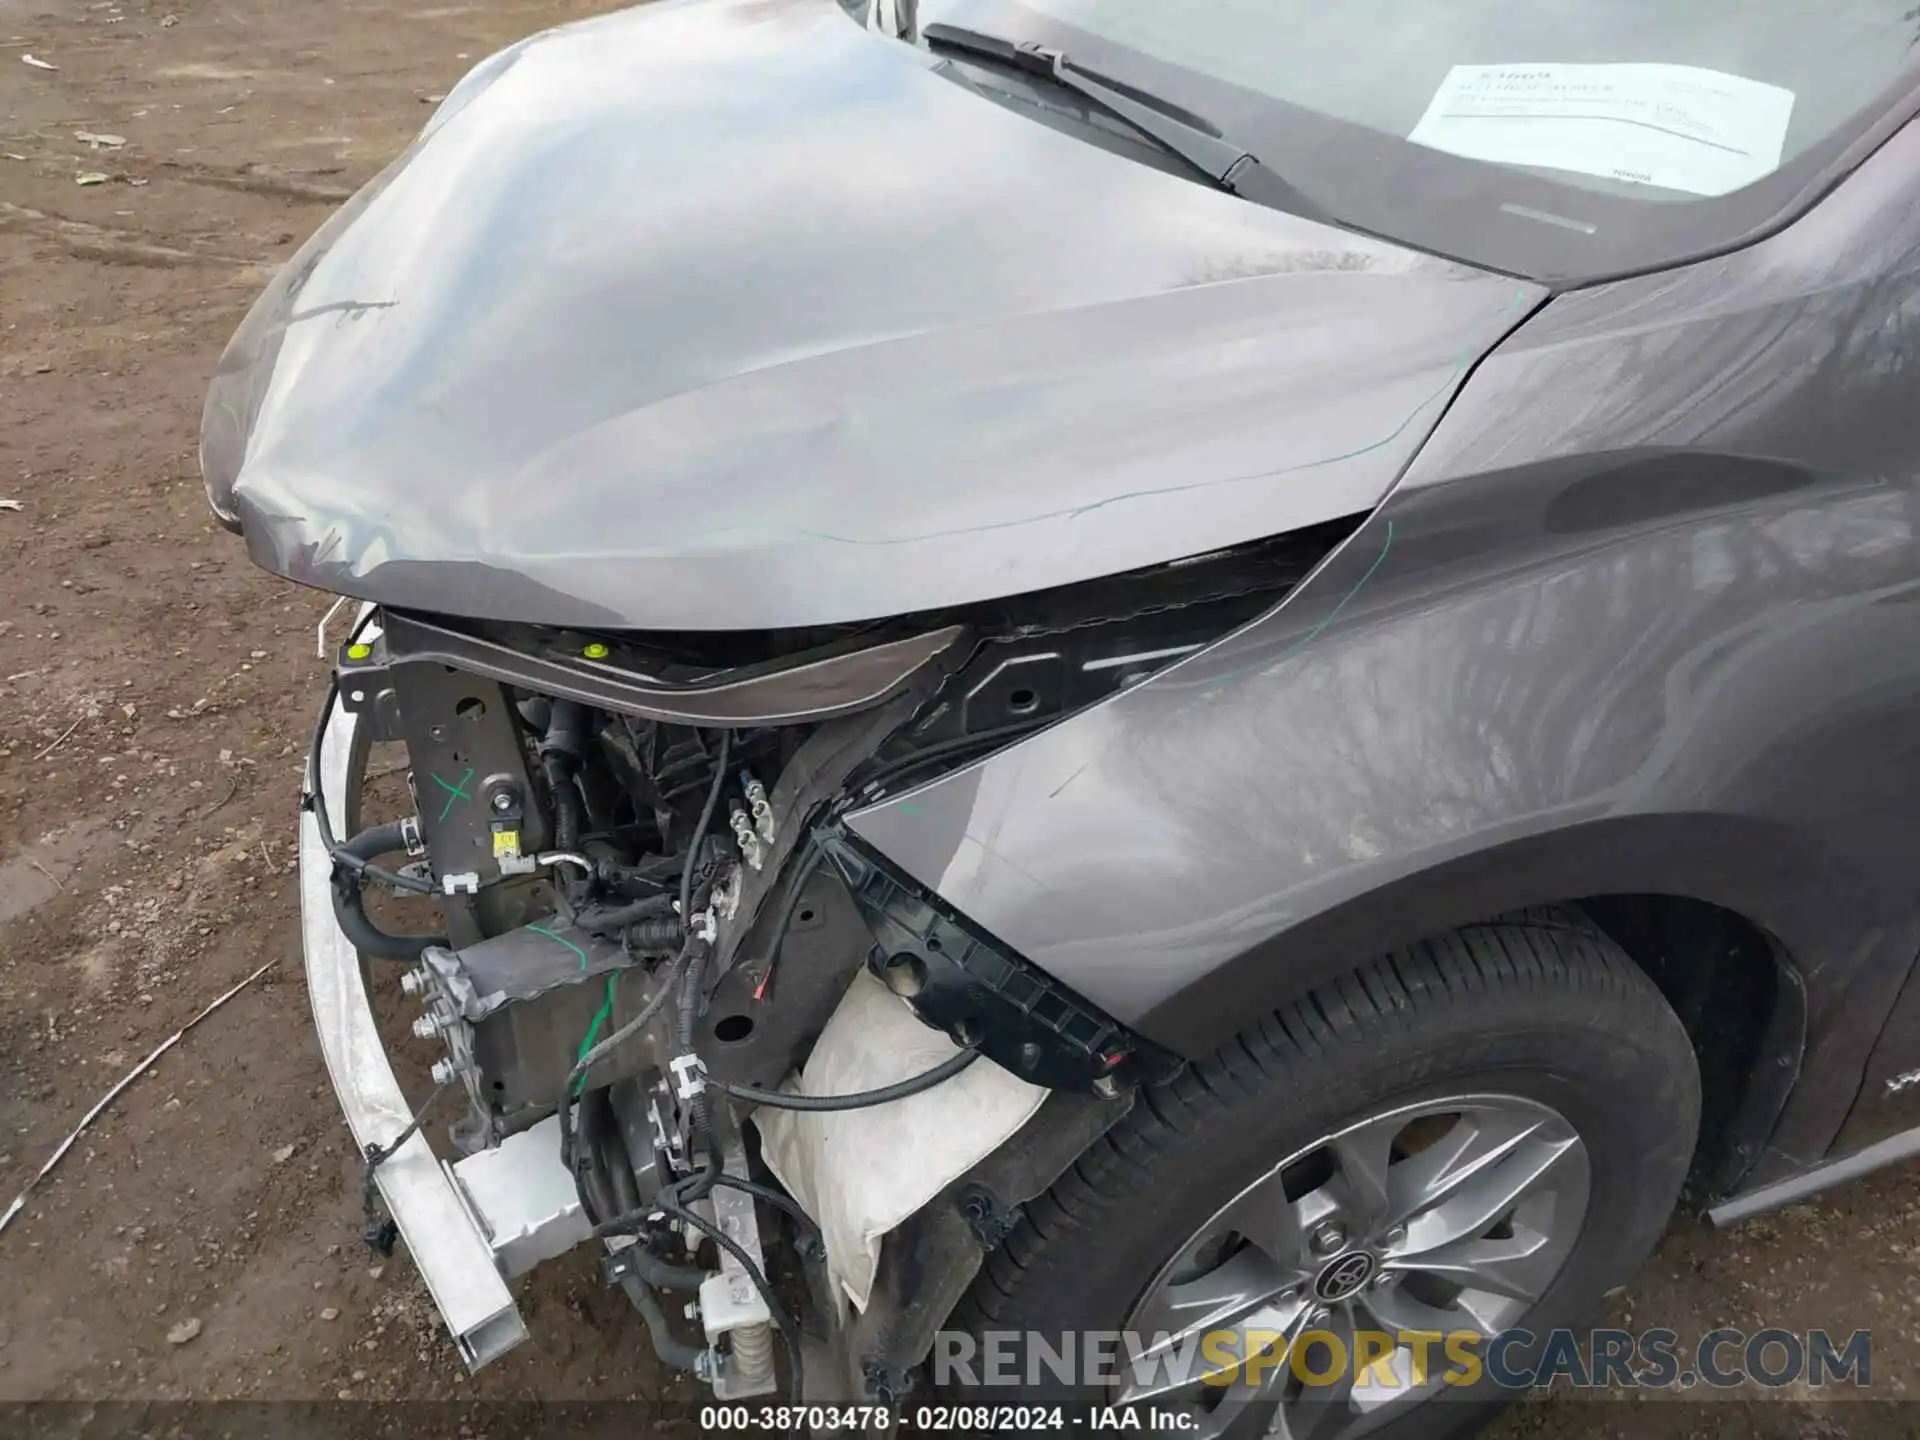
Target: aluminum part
523	1199
730	1303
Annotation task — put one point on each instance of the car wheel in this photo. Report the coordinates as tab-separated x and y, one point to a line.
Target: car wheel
1483	1132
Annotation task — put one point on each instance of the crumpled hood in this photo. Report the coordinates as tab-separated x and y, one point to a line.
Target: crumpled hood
729	314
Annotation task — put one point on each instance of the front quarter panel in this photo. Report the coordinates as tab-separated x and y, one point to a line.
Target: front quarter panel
1643	616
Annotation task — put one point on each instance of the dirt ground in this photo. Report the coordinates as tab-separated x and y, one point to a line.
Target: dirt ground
155	695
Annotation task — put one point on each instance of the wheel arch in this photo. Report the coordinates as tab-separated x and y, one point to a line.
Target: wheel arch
1698	902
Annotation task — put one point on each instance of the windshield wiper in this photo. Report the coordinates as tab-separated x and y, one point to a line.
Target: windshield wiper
1232	167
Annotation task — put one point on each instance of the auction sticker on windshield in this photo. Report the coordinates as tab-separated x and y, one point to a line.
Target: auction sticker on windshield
1675	126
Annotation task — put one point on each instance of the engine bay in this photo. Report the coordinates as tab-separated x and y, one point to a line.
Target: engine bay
650	912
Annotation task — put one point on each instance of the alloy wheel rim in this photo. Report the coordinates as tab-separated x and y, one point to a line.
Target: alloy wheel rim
1448	1215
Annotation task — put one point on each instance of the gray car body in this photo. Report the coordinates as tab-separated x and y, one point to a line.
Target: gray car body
1643	617
731	315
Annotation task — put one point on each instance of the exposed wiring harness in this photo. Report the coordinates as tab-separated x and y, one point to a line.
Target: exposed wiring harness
380	1233
676	1201
859	1099
789	1332
699	1124
781	1201
570	1153
809	863
641	924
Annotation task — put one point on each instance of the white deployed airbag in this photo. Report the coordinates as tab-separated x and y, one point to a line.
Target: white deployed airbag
859	1173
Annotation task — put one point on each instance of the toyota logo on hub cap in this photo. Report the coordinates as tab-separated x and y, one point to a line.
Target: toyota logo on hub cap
1343	1275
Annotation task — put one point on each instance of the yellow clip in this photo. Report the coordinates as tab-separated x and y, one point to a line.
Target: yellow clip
359	650
506	844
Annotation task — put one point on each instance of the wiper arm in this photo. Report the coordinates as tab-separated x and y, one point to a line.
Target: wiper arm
1232	167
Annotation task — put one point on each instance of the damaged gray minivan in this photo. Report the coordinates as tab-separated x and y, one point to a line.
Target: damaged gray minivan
1084	667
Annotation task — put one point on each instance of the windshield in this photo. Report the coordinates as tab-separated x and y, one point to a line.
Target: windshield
1553	138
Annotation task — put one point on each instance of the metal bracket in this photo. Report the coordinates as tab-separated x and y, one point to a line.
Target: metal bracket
730	1303
452	1255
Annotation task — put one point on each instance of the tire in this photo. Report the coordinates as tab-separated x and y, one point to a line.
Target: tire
1538	1007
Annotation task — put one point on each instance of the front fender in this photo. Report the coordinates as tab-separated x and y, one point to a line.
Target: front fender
1640	617
1465	712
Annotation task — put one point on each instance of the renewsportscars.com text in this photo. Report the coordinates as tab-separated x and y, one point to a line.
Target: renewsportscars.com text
1511	1359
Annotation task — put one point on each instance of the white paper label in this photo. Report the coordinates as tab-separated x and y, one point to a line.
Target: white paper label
1669	125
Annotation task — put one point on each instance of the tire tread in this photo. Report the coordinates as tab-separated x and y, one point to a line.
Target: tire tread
1528	952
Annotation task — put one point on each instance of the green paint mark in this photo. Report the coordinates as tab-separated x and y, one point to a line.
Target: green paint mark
1334	614
600	1018
1214	684
561	940
456	791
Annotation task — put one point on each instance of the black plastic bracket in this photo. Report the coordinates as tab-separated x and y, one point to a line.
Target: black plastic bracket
885	1384
990	1221
958	980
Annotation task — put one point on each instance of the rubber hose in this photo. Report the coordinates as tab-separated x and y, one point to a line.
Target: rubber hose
563	747
591	1172
615	917
610	1150
662	935
663	1275
350	910
677	1353
568	810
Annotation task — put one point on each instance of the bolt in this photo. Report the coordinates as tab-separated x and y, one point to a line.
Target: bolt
1386	1280
744	832
502	801
426	1027
1397	1236
762	809
1318	1317
1287	1296
1328	1237
443	1072
413	982
692	1310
